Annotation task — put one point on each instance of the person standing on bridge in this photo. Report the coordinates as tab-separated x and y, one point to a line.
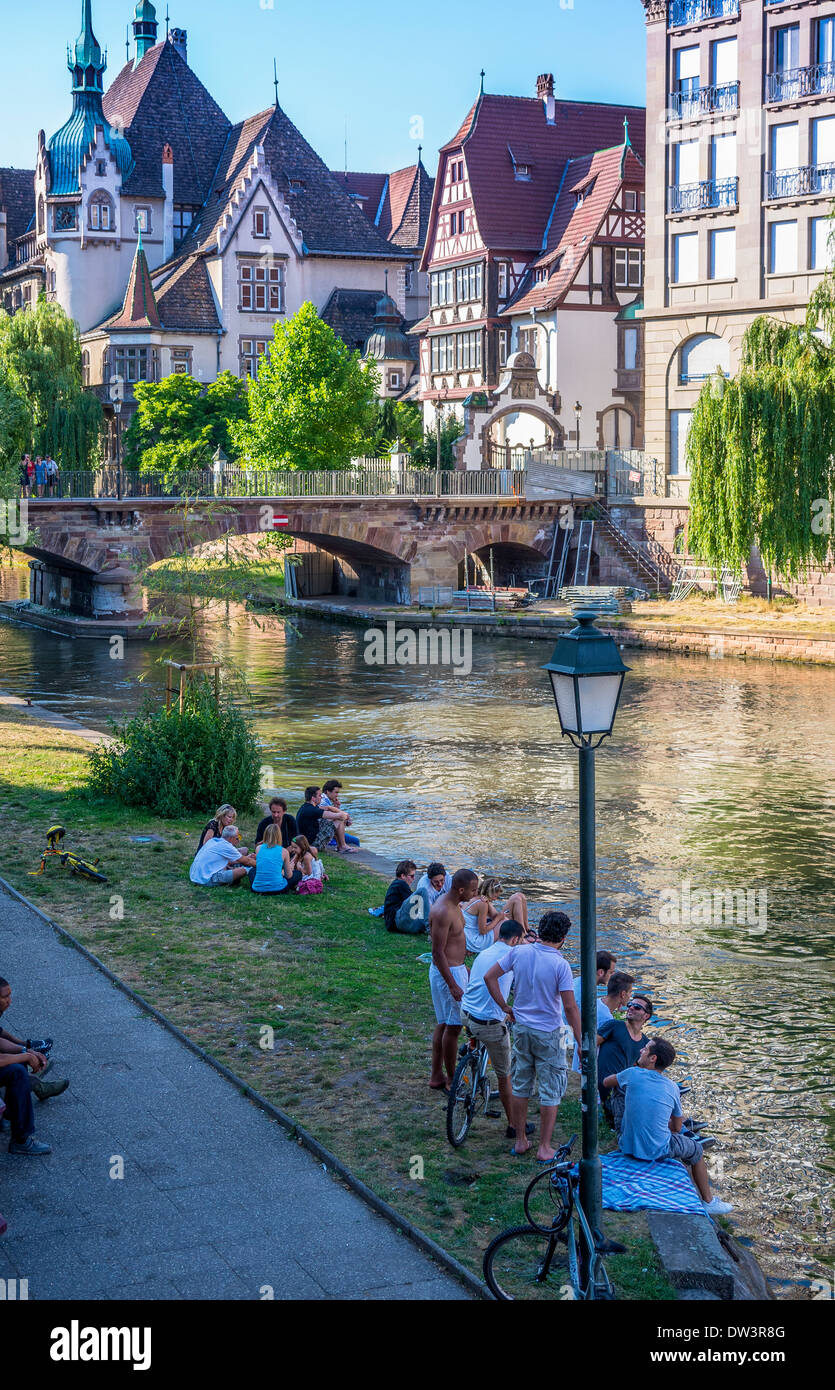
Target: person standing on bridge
52	476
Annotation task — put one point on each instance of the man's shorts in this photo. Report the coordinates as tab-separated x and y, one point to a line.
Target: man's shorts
540	1055
685	1147
495	1034
222	876
446	1008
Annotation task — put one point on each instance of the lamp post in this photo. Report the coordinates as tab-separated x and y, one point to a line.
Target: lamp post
578	410
587	676
117	396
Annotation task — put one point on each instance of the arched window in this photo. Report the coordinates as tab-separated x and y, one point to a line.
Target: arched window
702	356
100	212
41	217
85	368
617	428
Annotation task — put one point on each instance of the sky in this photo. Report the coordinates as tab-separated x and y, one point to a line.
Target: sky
395	73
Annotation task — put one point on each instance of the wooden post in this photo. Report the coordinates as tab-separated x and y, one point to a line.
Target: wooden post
182	688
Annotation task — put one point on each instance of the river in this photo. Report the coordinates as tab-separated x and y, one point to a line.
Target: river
719	776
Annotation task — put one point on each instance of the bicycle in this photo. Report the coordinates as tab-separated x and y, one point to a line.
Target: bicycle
470	1091
530	1262
82	868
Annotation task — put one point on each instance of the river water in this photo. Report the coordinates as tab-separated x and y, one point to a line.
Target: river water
719	777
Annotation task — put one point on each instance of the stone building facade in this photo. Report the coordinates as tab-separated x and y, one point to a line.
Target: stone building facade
740	183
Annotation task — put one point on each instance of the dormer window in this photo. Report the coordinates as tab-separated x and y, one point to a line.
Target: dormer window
523	171
100	213
142	220
541	276
261	223
522	161
101	168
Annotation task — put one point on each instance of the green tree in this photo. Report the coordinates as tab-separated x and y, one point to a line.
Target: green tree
425	454
761	450
314	402
179	423
43	405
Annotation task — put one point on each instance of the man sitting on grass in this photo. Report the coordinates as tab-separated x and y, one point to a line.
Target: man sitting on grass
652	1118
280	816
403	910
219	862
319	824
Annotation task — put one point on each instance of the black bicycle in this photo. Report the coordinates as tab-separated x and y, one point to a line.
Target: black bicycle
471	1090
546	1258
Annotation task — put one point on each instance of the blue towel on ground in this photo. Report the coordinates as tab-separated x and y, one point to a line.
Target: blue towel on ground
631	1184
376	911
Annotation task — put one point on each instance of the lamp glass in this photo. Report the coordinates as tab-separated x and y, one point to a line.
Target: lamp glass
566	703
598	702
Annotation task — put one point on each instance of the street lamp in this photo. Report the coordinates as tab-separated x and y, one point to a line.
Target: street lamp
587	676
117	396
578	410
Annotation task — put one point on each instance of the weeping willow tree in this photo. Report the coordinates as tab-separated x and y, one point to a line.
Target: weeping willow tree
43	405
761	448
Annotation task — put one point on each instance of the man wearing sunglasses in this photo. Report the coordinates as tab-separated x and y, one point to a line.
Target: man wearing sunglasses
621	1043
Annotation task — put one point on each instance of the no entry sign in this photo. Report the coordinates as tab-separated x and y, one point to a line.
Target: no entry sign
279	521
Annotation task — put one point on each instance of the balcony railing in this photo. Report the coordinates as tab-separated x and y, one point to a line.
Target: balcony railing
24	248
811	180
684	12
696	197
815	81
690	103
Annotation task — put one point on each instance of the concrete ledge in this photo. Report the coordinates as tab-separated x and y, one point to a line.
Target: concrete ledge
131	629
689	1250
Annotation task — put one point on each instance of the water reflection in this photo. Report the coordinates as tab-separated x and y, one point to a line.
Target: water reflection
719	776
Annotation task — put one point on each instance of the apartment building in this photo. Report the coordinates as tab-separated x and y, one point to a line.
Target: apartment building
740	183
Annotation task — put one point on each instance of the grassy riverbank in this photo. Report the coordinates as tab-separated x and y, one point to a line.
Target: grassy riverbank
348	1003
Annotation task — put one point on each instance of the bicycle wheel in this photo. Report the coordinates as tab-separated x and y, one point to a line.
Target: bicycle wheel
461	1104
526	1265
548	1201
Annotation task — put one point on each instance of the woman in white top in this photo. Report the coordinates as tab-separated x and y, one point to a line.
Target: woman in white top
483	915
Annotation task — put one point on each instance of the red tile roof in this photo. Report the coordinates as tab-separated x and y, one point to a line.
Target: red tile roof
573	227
140	307
398	204
512	214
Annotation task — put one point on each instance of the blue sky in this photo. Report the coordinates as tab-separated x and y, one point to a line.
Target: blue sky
379	64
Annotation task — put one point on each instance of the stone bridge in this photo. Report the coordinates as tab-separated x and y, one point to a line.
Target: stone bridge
87	553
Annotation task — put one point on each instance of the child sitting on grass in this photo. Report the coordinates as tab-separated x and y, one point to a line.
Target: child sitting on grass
308	861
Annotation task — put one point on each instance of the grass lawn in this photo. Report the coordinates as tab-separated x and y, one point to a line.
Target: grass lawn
347	1002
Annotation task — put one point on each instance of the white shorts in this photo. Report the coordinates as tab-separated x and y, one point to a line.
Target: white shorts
446	1008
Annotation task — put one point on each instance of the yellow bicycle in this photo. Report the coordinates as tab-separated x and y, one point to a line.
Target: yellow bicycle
80	868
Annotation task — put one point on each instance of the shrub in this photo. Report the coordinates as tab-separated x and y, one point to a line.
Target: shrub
174	764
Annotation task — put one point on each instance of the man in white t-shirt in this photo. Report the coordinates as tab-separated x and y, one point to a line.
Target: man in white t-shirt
219	862
485	1020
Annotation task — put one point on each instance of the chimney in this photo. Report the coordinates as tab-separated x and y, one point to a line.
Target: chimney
179	38
168	208
4	241
545	92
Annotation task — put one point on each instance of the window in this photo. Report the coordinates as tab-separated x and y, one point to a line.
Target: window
409	281
442	287
27	295
785	49
101	168
504	279
630	200
723	254
679	430
394	381
181	361
443	353
702	356
629	267
261	287
66	218
823	145
261	222
502	347
41	217
523	172
457	171
183	218
724	62
785	146
252	350
630	349
85	368
723	158
142	221
133	364
528	340
687	79
782	248
686	163
100	213
822	250
468	282
686	258
469	352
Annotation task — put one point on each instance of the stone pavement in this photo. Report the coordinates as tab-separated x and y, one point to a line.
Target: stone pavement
215	1203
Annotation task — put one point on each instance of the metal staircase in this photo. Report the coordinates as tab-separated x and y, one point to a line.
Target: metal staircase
652	563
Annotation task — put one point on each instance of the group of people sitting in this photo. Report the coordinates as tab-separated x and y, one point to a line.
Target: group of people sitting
527	1039
285	857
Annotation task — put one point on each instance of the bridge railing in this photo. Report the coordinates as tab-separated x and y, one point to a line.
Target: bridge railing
113	483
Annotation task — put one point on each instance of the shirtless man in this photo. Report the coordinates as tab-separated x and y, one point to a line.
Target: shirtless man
448	975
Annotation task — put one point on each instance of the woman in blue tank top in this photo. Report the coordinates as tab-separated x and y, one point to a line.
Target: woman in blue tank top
272	873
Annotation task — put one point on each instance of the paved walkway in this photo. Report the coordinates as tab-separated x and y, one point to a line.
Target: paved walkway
216	1202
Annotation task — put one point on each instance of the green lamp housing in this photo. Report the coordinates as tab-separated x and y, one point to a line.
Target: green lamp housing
586	674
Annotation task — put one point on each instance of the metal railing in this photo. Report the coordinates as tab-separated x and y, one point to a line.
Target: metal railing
695	11
24	248
712	193
811	179
114	484
618	472
692	102
794	83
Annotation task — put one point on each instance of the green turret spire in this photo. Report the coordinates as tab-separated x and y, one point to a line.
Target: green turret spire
145	29
86	61
70	145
